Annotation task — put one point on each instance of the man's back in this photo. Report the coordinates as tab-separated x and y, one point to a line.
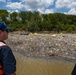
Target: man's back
7	59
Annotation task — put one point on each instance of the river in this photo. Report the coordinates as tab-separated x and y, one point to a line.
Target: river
38	66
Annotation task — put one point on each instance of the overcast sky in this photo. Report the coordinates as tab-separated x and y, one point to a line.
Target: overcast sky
43	6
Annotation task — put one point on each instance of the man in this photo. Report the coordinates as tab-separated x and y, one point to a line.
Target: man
74	70
7	59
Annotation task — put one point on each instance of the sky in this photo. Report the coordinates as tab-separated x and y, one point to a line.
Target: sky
43	6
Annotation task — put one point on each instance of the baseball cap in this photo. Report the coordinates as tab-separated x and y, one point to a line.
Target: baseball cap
4	27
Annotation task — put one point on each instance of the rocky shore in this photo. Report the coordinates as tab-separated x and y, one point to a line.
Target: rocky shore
43	45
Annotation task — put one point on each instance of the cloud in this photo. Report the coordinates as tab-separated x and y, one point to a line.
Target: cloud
43	6
35	4
2	0
71	11
47	11
12	11
14	5
73	5
65	3
5	0
69	5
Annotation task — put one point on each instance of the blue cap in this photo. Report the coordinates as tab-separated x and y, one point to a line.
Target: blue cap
4	27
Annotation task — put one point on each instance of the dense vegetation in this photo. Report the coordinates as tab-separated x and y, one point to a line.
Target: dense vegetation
35	22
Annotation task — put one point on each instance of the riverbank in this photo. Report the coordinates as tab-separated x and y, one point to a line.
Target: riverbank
44	45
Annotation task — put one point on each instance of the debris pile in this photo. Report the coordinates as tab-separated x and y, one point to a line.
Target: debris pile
44	45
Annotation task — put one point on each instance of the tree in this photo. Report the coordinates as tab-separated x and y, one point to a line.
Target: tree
3	15
23	15
14	16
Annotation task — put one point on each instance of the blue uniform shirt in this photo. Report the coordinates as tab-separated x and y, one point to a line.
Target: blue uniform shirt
8	60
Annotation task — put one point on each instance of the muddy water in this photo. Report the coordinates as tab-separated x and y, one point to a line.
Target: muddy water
32	66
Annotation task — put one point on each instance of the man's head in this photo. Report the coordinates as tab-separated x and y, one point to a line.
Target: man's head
4	31
4	27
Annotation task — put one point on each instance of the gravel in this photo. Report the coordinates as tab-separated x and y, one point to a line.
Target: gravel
43	45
